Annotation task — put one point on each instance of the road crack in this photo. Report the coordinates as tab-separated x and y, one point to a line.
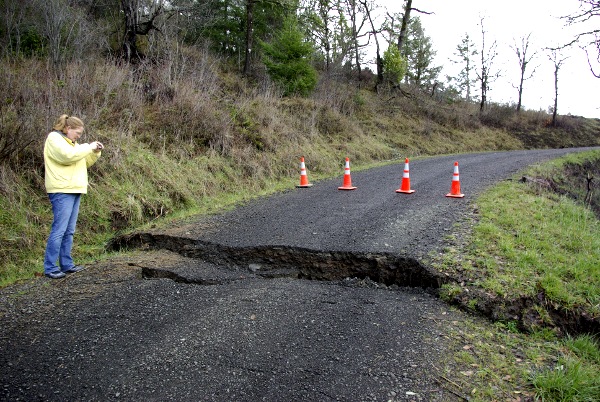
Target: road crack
285	261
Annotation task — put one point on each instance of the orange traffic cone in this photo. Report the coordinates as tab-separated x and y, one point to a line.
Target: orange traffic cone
405	186
303	177
347	179
455	189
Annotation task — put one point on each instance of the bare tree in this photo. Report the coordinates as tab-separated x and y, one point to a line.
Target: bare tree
323	32
524	60
357	21
590	37
557	59
374	32
61	24
13	16
486	74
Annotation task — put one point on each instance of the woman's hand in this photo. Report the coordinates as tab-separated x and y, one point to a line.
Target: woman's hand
97	146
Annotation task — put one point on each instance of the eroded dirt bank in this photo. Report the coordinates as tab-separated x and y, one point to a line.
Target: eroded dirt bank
284	261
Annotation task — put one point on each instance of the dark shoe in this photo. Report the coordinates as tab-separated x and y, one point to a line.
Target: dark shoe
73	269
55	274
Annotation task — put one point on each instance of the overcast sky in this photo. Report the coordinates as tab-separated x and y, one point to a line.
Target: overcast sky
505	22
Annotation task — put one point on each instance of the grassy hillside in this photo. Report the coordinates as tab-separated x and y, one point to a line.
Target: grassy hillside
191	135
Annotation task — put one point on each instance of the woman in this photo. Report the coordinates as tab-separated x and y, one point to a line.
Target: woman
66	164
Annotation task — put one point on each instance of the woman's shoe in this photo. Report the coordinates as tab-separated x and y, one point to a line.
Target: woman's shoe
73	269
55	274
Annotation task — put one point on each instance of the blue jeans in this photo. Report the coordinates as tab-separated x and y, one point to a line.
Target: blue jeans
65	208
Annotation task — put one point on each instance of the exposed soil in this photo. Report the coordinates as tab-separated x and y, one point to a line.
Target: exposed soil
292	262
581	183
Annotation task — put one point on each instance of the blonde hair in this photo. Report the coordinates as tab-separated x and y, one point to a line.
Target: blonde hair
65	121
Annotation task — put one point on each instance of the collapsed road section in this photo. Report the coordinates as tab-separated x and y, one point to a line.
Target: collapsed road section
226	263
285	261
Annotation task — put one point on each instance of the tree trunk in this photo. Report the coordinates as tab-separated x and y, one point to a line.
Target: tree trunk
521	88
483	88
433	88
379	70
404	26
556	68
468	73
130	49
327	51
353	16
249	35
324	13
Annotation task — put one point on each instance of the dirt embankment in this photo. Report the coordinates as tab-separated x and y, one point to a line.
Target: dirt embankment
580	182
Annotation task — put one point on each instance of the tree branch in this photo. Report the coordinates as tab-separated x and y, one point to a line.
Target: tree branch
421	11
590	64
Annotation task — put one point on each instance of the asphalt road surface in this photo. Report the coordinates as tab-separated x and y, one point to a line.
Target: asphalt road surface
372	218
204	329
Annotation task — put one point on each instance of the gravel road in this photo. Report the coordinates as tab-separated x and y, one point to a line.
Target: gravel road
372	218
227	333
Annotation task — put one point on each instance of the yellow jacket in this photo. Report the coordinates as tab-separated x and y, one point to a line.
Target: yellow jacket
66	164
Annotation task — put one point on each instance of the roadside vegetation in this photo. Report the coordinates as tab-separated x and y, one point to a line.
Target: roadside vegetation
529	261
497	362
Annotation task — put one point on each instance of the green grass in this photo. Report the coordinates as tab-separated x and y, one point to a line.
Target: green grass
576	375
496	362
524	243
493	362
525	240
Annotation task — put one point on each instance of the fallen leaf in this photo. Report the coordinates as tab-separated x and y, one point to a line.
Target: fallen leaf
467	373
